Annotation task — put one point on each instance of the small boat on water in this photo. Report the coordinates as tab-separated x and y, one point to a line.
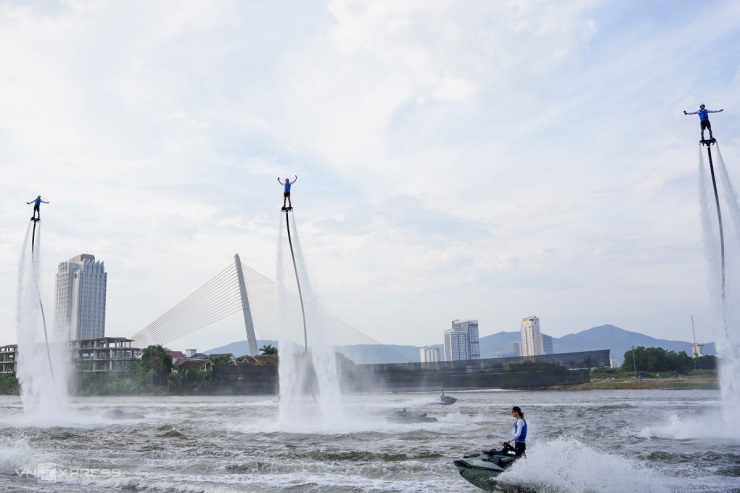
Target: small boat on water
482	469
405	416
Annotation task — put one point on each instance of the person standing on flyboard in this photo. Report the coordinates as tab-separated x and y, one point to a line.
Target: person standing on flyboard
36	208
704	119
286	193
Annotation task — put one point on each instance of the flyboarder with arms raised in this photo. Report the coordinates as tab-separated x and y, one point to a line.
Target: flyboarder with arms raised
704	118
36	208
286	193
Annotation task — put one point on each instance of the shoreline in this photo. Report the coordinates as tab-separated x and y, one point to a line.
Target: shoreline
674	383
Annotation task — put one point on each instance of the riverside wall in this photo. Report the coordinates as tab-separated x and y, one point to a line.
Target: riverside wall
533	372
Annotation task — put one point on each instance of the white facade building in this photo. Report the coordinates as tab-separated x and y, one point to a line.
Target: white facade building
531	337
429	354
461	341
81	285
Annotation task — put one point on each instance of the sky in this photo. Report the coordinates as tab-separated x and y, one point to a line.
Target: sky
455	160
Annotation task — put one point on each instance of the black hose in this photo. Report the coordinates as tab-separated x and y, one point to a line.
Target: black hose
41	305
300	296
721	236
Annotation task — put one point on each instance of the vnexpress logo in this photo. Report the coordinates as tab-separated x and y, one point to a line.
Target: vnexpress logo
46	472
49	472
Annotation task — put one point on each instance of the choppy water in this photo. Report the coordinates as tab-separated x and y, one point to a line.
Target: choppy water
598	441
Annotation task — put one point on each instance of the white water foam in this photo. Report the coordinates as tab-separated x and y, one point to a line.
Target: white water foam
580	468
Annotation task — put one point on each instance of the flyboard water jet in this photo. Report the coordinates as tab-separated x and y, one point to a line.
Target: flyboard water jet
724	271
287	210
35	241
38	293
723	276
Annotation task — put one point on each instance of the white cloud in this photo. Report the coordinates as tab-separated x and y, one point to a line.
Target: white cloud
483	160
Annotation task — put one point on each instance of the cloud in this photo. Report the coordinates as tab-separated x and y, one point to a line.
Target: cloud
485	160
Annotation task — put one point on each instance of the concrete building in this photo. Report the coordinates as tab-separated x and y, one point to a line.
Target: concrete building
429	354
81	285
547	346
461	341
531	337
8	356
516	349
104	354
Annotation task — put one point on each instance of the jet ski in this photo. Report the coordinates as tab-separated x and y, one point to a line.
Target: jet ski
404	416
447	400
482	469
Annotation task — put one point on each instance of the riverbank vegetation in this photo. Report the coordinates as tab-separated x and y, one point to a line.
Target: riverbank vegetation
654	368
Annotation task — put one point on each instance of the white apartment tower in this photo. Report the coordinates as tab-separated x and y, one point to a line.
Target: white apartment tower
81	286
461	341
531	337
429	354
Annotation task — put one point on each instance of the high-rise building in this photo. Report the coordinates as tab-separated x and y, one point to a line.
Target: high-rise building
81	286
461	341
547	347
429	354
516	349
531	337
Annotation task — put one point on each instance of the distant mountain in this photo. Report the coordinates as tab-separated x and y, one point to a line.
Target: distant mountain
499	345
239	348
361	353
617	340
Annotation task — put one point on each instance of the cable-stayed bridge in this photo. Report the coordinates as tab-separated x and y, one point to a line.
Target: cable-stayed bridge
239	288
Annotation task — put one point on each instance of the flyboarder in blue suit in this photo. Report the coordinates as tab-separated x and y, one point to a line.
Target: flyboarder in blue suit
286	193
704	118
36	208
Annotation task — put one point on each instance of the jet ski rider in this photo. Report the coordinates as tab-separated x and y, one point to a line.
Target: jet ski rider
520	432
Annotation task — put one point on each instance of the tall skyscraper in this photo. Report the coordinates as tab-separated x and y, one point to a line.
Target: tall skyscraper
461	341
81	287
531	337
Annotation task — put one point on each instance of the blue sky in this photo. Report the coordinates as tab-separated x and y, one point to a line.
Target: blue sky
486	160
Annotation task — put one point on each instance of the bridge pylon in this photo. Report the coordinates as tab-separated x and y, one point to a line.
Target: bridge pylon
248	324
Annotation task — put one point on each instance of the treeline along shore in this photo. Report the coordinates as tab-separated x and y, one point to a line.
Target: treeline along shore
156	374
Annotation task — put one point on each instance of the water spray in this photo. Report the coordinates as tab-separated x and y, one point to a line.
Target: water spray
38	293
300	295
708	143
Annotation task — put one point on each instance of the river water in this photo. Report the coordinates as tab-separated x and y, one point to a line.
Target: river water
585	441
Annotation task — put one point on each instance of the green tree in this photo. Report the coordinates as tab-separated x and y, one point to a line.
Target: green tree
655	359
159	361
706	362
140	376
188	381
268	349
9	384
221	360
